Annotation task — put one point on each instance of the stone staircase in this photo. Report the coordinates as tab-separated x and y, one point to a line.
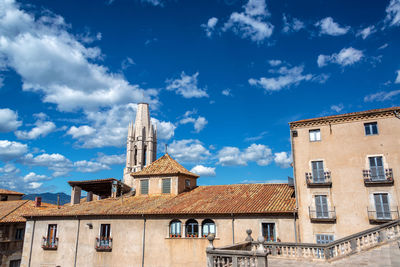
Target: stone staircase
377	246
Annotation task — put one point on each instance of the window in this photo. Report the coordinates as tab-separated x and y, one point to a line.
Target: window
15	263
3	198
144	187
321	205
324	239
105	235
208	227
145	156
318	171
371	128
19	234
382	206
192	228
268	231
135	156
51	241
166	186
315	135
187	183
175	228
376	168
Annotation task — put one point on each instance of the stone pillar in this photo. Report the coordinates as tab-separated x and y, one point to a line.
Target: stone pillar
89	196
75	195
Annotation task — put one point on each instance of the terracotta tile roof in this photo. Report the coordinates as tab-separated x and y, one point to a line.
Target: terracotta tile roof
164	165
360	113
12	211
9	192
219	199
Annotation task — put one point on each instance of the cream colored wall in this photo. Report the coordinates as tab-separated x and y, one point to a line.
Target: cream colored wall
127	234
155	184
344	148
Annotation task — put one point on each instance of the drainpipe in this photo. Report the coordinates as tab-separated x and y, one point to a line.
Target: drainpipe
33	235
233	229
144	239
77	239
295	186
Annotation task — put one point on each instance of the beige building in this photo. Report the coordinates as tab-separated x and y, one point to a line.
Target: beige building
165	223
12	225
346	171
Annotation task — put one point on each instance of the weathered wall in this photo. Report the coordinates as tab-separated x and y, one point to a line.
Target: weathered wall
127	234
345	148
7	240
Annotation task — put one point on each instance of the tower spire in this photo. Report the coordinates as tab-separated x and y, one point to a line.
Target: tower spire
141	144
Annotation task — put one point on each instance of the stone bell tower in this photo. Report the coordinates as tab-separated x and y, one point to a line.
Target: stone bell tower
141	147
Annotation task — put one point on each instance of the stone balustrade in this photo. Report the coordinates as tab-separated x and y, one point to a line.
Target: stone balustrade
254	253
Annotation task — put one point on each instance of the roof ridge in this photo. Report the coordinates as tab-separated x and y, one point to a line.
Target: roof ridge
26	201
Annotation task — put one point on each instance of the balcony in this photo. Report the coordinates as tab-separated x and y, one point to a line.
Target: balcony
49	244
376	179
383	216
104	244
324	181
325	216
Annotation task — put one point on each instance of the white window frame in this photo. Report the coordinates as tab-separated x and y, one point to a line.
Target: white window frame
314	135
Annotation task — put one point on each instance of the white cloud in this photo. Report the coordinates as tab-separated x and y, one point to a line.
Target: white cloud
292	24
337	108
346	57
226	92
111	159
393	13
41	129
53	63
10	150
34	185
287	77
90	166
126	63
165	129
154	2
59	164
255	138
188	150
364	33
9	120
398	77
203	170
232	156
198	123
383	46
274	62
81	131
186	86
381	96
329	27
282	159
33	177
251	23
210	26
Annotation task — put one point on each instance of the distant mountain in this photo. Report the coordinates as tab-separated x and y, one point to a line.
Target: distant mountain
50	197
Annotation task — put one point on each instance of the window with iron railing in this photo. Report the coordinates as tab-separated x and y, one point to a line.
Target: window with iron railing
318	175
51	241
104	241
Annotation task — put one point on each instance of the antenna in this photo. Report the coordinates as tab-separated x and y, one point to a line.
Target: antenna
166	148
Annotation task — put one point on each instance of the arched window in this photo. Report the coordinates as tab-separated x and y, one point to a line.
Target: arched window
208	227
135	156
144	155
175	228
192	228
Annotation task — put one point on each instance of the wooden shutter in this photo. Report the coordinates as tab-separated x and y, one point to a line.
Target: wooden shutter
378	206
144	187
166	186
318	171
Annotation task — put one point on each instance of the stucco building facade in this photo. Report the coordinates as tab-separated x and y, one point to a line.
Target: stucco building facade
346	170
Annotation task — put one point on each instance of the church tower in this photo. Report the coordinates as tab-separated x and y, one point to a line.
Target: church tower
141	147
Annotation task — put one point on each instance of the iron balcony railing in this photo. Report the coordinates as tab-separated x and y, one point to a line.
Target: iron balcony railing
322	215
375	216
323	180
382	177
50	243
103	243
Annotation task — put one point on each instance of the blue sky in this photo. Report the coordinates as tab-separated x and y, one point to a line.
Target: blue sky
223	79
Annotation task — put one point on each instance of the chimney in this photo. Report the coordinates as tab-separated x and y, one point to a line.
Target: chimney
38	201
